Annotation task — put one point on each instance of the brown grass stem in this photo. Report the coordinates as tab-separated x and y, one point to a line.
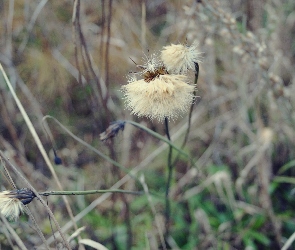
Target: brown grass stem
12	233
27	210
152	205
144	163
160	137
28	184
107	47
91	147
37	140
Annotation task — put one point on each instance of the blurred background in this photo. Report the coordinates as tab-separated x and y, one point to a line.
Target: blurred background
69	59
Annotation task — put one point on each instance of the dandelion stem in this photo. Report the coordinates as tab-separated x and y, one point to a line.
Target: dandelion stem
192	106
190	113
92	148
167	129
160	137
48	193
169	179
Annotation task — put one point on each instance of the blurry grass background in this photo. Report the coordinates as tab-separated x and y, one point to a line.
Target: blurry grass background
68	59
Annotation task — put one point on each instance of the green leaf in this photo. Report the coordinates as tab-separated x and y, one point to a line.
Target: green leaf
287	166
261	238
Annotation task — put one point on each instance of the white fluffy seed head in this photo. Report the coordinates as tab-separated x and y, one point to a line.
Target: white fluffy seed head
151	63
11	208
131	78
178	58
164	96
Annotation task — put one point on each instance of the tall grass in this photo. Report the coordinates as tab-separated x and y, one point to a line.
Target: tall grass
231	186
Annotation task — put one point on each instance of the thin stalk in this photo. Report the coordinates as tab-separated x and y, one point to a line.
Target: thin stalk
153	208
74	18
28	184
92	148
107	46
28	212
128	223
190	112
124	169
13	234
41	148
169	179
48	193
192	106
160	137
143	24
284	179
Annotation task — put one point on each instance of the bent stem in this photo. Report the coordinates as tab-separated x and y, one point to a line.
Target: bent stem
169	179
27	210
190	113
18	173
40	147
192	106
91	147
160	137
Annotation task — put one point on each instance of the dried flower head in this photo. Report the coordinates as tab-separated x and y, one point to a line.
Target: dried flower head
10	207
159	95
112	130
178	58
11	202
151	63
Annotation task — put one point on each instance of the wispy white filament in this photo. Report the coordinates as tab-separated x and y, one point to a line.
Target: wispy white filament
11	208
165	96
180	58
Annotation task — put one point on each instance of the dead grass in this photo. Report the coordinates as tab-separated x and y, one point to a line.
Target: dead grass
242	130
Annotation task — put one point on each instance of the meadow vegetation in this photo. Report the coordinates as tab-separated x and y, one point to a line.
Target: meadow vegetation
224	176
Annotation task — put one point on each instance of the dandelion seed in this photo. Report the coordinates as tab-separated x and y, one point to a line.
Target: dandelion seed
151	63
11	202
131	78
179	58
159	95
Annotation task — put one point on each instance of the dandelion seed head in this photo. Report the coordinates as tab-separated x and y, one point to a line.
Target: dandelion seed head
131	78
151	63
163	96
10	207
152	67
178	58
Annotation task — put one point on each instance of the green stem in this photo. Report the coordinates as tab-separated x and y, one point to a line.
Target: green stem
92	148
169	179
160	137
48	193
284	179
